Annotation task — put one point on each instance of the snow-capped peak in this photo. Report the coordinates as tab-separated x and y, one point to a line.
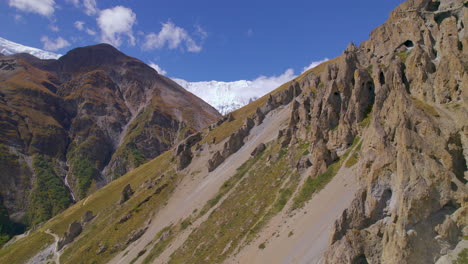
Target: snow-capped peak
224	96
9	47
229	96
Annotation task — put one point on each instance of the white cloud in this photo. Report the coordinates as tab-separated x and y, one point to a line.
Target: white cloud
90	7
157	68
90	32
172	36
51	44
19	18
265	84
201	32
313	65
41	7
224	95
249	32
54	28
76	3
115	22
79	25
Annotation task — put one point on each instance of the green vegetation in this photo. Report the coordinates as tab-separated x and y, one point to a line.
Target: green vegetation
462	257
8	229
403	55
352	160
22	252
9	165
160	244
262	246
105	228
137	157
370	69
426	108
257	192
85	172
186	223
284	195
230	183
49	195
313	185
367	117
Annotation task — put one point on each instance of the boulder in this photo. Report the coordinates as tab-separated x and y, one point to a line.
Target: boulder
135	235
127	192
125	218
184	151
87	217
259	149
303	163
74	230
230	117
101	248
215	161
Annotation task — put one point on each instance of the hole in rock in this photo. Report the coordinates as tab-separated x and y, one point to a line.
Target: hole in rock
361	259
382	78
408	44
433	6
453	186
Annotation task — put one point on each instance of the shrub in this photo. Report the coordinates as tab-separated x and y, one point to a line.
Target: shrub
49	195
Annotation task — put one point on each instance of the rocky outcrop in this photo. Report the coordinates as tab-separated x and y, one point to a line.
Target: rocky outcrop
236	140
87	217
127	192
259	149
303	163
135	235
215	161
232	145
389	91
74	230
184	151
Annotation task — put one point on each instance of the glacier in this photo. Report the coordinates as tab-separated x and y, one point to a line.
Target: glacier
223	96
9	47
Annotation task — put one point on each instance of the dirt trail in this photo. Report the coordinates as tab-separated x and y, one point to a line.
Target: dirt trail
56	251
194	191
303	237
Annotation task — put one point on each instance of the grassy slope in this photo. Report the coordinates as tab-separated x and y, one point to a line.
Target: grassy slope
261	193
104	229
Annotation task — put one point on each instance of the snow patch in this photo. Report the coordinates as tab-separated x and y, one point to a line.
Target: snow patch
9	48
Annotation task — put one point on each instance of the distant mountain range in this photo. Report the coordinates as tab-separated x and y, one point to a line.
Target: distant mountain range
9	47
224	96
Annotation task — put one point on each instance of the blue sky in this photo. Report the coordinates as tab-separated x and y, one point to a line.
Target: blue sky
199	40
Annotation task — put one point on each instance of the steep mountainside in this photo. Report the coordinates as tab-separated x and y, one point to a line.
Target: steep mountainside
70	126
362	159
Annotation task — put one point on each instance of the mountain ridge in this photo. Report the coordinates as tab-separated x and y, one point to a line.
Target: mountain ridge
362	159
81	121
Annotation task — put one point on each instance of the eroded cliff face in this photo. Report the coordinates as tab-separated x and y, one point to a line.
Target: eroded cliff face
89	117
404	93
